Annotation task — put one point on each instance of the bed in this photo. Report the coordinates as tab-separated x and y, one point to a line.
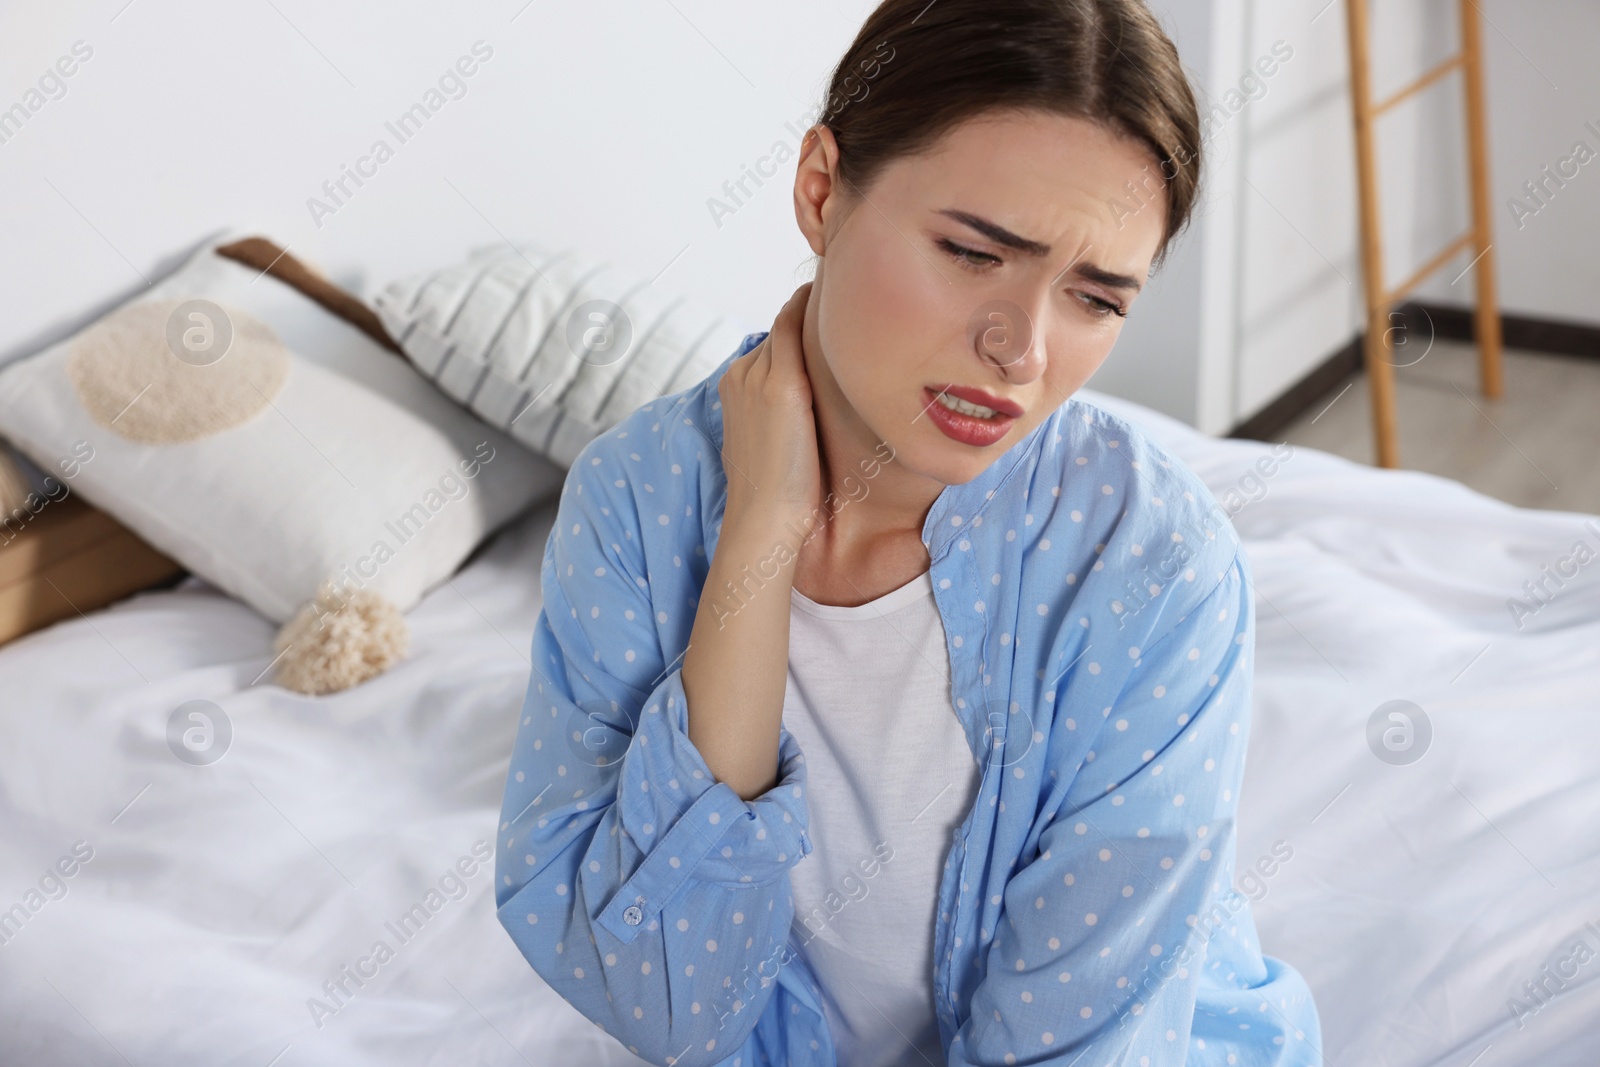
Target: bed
214	909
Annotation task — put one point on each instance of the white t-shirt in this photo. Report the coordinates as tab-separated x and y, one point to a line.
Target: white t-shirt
890	777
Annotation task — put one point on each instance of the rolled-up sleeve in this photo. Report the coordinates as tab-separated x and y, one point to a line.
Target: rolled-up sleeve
1099	954
647	893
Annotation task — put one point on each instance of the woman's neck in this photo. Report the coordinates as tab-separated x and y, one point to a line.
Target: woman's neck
867	499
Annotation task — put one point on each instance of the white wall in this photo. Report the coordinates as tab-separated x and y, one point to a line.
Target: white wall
609	125
1290	177
1544	87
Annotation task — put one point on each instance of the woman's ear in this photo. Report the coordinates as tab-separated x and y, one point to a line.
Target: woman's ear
817	188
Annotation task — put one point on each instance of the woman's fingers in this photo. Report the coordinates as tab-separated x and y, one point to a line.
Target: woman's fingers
769	435
786	350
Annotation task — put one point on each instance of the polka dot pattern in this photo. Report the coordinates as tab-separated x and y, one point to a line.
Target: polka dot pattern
1086	915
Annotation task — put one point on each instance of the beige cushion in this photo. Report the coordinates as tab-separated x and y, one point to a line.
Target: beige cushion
304	452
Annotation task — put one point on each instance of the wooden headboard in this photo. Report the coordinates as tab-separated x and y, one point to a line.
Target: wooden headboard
263	255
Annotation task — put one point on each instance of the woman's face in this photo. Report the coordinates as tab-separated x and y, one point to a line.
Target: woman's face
999	264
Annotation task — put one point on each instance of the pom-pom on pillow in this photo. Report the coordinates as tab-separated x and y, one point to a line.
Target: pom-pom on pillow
340	640
279	450
549	347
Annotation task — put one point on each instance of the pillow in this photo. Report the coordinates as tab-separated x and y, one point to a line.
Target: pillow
549	347
276	450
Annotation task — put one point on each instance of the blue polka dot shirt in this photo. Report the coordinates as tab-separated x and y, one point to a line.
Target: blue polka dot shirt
1100	631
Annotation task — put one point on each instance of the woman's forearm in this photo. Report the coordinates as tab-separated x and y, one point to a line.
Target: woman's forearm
735	669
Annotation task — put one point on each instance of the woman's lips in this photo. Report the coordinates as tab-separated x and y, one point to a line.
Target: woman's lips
968	429
977	396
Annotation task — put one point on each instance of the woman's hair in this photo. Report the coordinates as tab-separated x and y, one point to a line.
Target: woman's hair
920	67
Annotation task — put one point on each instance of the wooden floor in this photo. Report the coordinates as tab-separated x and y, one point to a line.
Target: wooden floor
1538	446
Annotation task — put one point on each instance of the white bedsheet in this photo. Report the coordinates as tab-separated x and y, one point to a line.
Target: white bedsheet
221	898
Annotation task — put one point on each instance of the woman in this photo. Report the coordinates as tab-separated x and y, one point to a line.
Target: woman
889	705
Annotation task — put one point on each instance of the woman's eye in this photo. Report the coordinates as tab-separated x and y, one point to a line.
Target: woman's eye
1097	306
970	256
1101	307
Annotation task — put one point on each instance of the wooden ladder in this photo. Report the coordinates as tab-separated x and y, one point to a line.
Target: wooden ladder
1380	300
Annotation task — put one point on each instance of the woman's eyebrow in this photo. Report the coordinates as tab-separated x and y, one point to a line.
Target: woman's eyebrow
1002	236
1110	279
997	233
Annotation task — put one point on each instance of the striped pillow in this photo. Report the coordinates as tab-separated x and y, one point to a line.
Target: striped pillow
548	347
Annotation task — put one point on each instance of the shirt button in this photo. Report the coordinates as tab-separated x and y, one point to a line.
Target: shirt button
633	916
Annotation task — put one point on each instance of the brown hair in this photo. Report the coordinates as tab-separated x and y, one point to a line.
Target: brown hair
918	68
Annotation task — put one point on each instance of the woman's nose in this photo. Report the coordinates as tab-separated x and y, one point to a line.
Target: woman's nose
1003	336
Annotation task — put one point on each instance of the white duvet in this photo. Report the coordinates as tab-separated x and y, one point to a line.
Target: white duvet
319	896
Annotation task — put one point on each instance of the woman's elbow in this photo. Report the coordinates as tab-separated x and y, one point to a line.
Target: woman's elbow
661	1036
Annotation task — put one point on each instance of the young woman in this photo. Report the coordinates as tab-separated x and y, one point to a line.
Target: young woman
888	704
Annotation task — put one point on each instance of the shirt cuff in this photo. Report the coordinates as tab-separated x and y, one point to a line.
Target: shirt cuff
688	825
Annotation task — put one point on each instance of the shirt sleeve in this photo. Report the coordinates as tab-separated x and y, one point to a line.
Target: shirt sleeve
651	896
1100	944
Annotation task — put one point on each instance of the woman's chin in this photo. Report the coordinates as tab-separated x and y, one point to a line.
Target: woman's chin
957	462
939	465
